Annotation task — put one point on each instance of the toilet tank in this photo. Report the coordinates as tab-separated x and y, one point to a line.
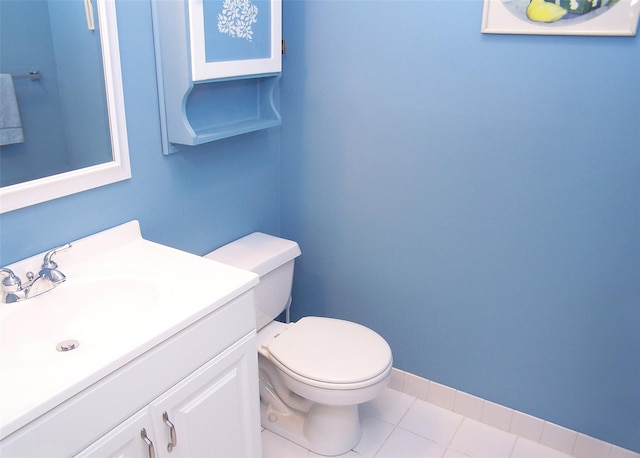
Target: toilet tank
272	258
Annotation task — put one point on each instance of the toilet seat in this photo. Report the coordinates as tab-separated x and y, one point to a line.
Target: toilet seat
331	353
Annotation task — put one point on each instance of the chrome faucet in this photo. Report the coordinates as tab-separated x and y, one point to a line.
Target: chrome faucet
14	290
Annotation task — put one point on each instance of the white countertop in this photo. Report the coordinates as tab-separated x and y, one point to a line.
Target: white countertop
138	294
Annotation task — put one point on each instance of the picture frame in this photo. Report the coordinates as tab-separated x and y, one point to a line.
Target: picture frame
232	38
582	17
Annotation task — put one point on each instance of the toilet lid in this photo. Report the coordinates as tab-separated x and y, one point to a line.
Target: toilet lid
332	351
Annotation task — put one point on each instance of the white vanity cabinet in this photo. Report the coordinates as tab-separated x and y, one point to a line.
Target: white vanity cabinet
208	414
214	411
205	378
126	440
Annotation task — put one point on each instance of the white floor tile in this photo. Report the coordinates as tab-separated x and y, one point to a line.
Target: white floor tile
374	433
274	446
349	454
526	448
397	425
482	441
431	422
390	406
404	444
451	453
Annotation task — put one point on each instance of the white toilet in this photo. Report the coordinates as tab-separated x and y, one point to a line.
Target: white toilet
315	372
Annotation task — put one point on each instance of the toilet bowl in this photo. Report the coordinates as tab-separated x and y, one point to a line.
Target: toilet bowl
313	373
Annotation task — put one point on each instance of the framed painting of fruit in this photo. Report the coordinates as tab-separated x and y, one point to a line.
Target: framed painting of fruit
561	17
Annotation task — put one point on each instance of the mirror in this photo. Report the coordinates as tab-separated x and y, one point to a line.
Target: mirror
94	151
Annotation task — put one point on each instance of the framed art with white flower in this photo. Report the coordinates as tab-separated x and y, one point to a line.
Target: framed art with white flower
231	38
561	17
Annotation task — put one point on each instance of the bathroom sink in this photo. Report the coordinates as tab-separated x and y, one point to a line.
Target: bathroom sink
122	296
93	312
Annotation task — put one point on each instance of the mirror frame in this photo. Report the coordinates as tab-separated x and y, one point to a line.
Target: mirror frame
52	187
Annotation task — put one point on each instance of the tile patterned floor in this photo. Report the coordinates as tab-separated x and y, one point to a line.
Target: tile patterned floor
397	425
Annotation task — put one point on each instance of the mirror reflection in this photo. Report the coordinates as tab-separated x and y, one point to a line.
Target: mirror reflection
53	109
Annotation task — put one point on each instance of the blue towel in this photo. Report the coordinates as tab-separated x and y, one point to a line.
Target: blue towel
10	124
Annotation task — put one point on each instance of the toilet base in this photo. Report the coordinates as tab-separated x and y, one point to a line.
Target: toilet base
325	430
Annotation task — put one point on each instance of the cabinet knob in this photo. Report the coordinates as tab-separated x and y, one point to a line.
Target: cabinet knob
145	438
172	431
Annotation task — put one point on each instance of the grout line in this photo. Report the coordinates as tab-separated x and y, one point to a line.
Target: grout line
396	426
383	442
513	447
406	411
455	434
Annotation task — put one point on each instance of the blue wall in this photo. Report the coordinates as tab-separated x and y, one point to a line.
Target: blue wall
194	201
474	198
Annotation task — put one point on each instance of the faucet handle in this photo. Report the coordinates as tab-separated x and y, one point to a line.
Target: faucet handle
48	262
11	282
50	267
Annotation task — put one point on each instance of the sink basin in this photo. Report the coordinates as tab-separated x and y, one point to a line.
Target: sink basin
94	312
123	295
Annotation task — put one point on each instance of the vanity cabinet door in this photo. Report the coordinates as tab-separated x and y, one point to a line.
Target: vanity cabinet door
214	411
125	440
